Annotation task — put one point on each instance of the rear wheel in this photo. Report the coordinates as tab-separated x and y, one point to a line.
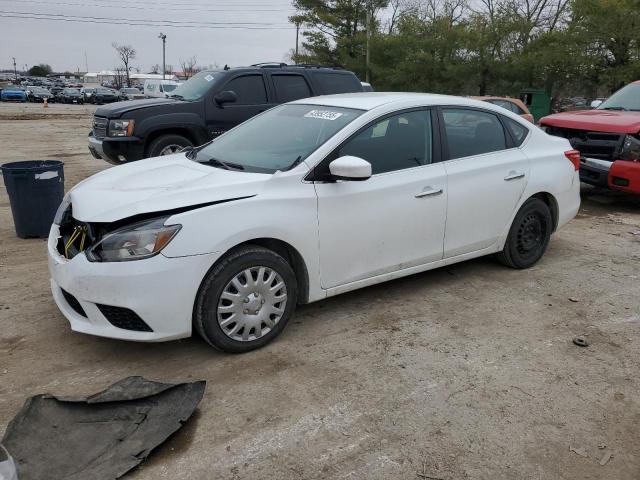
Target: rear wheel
529	235
168	145
246	300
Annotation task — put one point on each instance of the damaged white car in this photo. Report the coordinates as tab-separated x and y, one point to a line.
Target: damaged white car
307	200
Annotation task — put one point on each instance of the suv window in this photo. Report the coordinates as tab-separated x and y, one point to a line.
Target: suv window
472	132
337	82
249	89
290	87
395	143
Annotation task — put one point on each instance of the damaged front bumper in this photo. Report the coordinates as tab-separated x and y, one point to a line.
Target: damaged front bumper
145	300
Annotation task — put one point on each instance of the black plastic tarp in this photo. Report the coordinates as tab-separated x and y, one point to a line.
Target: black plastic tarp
98	437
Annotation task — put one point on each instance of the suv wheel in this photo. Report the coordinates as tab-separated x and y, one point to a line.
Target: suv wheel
246	300
167	145
529	235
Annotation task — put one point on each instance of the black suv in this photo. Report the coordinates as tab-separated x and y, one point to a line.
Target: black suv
207	105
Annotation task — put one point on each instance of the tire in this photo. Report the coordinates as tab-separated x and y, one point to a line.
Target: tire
528	236
167	144
217	327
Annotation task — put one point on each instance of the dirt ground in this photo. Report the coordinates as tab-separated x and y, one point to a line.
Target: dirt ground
466	372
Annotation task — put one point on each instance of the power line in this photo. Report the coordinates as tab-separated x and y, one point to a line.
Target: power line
132	7
141	23
149	21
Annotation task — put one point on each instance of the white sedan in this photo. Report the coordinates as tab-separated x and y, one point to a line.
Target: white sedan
307	200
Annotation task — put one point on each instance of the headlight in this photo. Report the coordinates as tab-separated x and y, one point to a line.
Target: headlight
630	149
62	209
133	242
121	128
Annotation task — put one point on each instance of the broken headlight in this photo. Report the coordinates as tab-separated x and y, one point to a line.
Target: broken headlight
630	148
133	242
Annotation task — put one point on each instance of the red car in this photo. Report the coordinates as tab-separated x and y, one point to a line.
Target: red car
608	139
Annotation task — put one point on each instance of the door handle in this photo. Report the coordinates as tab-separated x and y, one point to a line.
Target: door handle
428	192
513	176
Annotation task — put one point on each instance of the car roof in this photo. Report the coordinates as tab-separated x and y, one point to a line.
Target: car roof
371	100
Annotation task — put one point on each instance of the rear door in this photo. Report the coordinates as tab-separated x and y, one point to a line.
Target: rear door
288	87
252	98
486	176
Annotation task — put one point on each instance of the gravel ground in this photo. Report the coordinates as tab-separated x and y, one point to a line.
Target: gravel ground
466	372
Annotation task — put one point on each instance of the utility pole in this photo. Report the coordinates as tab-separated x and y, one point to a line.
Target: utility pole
368	7
163	37
15	72
297	32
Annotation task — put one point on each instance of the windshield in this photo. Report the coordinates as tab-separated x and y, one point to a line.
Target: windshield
130	90
103	90
71	91
196	86
278	139
627	98
39	90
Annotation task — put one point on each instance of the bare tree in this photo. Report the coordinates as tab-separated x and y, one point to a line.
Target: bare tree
119	76
126	54
168	69
156	69
189	66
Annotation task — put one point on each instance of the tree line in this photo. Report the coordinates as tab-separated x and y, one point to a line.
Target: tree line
476	47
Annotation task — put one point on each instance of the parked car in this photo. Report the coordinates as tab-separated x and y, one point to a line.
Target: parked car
514	105
130	94
86	94
70	95
104	95
56	89
13	93
305	201
38	94
207	105
159	88
608	139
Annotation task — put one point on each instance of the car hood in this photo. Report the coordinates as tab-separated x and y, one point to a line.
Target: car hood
117	109
596	120
157	185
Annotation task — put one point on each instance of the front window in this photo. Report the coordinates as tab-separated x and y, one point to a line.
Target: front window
278	139
197	86
627	98
167	87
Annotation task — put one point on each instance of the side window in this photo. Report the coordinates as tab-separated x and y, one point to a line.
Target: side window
395	143
337	82
249	89
516	109
472	132
518	131
290	87
502	103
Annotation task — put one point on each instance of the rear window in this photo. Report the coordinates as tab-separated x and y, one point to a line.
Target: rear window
337	82
517	131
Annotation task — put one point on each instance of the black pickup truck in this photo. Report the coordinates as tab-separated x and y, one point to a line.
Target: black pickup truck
207	105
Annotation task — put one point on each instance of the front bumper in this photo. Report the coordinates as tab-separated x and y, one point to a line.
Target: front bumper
160	290
625	175
594	171
116	150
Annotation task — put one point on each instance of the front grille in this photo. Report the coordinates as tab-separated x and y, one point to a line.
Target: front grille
600	145
124	318
100	127
73	303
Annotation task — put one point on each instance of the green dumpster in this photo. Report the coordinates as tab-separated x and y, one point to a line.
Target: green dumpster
537	101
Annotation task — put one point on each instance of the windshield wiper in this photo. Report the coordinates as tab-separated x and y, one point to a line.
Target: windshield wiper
219	163
175	95
615	108
295	163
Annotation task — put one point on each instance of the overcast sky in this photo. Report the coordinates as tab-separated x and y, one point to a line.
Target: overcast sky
62	43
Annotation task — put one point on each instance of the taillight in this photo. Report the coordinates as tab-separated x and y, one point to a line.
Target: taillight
574	157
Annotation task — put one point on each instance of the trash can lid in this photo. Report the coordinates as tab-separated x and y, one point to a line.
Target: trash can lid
33	166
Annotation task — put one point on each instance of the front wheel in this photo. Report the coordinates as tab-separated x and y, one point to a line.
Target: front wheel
529	235
167	145
246	300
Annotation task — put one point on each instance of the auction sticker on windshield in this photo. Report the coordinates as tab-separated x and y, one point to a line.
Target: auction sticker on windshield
208	78
323	114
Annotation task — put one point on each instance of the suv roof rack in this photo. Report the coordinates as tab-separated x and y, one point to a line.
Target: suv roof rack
298	65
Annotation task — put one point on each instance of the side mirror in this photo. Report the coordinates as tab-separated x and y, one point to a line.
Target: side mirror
596	103
350	168
227	96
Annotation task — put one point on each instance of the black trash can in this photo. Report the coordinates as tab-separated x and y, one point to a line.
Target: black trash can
36	189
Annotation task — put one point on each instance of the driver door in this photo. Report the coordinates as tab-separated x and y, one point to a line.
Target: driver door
393	220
